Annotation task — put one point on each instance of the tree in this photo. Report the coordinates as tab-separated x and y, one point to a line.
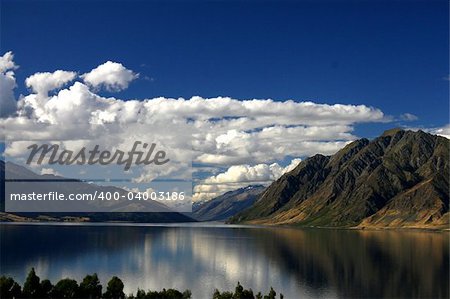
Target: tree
238	291
272	294
114	290
140	294
164	294
187	294
172	294
65	288
247	294
9	288
226	295
31	287
45	288
241	293
90	287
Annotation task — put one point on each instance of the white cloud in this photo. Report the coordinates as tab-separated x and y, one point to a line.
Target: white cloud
42	83
7	62
225	131
247	173
68	106
50	171
254	135
271	143
111	75
8	104
240	176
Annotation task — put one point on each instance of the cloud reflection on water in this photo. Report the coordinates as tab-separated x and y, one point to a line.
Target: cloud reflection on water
297	262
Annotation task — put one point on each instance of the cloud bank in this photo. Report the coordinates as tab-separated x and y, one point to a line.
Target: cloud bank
247	137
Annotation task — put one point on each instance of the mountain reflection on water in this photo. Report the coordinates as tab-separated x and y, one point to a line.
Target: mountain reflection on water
300	263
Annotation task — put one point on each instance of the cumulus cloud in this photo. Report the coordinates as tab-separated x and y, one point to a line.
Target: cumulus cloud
238	176
250	135
7	85
42	83
270	143
247	173
111	75
225	131
7	62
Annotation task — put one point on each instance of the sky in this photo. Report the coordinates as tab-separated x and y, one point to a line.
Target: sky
390	56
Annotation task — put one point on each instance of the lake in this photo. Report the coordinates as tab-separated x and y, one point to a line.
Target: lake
300	263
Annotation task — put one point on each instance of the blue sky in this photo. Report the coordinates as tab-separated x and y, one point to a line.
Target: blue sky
389	54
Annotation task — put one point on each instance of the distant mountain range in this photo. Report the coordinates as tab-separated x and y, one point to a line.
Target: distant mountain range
227	205
400	179
118	210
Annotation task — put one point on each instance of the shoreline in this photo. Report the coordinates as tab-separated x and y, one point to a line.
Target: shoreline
219	225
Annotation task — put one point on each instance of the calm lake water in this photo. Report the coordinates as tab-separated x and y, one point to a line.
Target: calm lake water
300	263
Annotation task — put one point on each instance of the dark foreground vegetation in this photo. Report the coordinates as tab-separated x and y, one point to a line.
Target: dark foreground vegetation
90	288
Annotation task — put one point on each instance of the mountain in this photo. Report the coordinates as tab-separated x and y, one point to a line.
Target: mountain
400	179
118	210
228	204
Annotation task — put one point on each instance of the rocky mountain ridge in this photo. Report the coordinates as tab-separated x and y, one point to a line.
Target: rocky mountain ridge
228	204
400	179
